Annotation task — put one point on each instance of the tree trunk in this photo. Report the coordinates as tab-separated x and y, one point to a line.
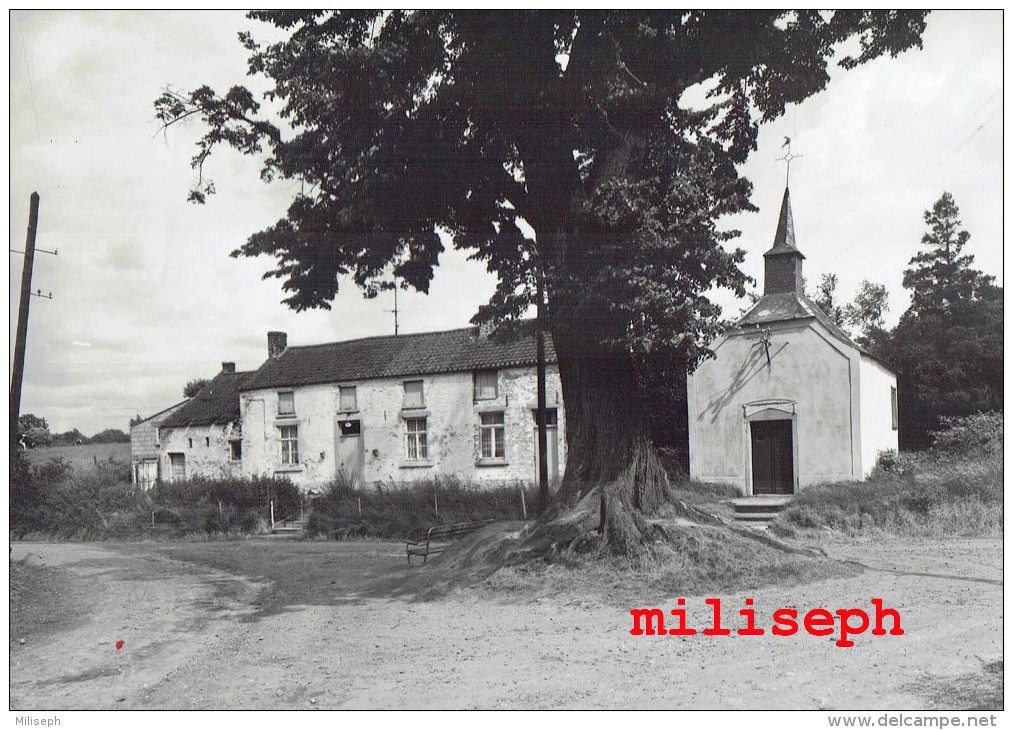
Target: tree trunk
614	480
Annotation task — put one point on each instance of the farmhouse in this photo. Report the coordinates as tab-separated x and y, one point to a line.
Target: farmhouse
204	436
144	448
789	399
400	408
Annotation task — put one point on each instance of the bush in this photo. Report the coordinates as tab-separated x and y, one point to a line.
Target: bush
394	510
953	489
970	435
53	500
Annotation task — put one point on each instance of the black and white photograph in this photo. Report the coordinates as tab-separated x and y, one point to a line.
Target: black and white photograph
506	360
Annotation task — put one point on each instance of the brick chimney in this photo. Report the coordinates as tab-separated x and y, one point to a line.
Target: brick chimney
782	264
277	342
228	367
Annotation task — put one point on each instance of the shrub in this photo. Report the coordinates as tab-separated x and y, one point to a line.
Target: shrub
52	499
970	435
394	509
953	489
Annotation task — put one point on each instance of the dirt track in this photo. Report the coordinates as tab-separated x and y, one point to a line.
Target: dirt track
195	637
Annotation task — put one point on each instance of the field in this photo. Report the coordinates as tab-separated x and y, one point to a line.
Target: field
287	624
83	456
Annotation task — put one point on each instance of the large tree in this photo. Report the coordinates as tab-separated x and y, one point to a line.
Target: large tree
614	135
948	344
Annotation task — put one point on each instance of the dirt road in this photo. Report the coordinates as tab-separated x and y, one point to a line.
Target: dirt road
199	637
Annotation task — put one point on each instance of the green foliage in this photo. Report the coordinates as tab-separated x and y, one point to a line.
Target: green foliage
954	489
193	387
467	121
56	501
826	299
978	434
110	436
68	438
948	345
942	276
396	510
29	420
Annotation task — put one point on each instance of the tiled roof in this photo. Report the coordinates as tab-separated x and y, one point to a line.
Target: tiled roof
216	403
460	350
787	306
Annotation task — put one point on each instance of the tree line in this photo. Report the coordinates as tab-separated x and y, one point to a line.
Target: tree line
33	431
947	346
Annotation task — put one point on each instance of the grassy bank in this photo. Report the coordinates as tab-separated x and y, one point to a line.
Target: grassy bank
954	489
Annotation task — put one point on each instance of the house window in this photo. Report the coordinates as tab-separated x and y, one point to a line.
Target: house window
893	405
236	450
286	403
207	440
417	449
289	444
551	417
413	394
189	443
348	398
492	436
486	385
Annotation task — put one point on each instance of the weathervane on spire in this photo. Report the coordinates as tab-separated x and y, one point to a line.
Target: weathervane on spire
788	157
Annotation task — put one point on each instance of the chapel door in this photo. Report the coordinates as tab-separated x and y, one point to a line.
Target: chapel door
351	452
773	461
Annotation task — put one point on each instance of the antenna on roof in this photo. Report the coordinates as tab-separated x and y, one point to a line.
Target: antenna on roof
395	309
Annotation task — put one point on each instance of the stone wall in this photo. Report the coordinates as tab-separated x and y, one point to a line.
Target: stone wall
206	451
452	418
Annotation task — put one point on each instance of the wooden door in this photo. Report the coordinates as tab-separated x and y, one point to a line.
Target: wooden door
773	457
146	474
178	464
351	452
552	443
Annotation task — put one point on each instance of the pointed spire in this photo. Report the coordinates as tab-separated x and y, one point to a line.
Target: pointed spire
783	262
785	235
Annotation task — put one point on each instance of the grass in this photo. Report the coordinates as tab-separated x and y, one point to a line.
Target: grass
398	509
54	500
83	456
953	490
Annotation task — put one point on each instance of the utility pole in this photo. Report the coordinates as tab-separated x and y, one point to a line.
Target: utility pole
543	441
22	334
395	310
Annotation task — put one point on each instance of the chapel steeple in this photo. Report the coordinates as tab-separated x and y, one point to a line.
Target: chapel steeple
782	264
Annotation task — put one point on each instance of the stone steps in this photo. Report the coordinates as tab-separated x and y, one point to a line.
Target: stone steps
759	510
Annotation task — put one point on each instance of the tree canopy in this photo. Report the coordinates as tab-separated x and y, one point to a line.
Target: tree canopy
614	136
192	388
948	344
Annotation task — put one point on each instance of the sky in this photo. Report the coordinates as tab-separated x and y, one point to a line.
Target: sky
146	297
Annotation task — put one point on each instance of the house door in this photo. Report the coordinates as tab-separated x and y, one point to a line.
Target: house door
351	453
146	474
177	462
773	467
551	442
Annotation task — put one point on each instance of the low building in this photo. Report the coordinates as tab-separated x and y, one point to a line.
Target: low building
204	436
401	408
145	450
789	400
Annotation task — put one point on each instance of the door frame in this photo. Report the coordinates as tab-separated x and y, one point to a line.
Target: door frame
358	479
769	410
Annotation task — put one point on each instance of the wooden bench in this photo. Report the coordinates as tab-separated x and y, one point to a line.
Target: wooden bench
435	539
